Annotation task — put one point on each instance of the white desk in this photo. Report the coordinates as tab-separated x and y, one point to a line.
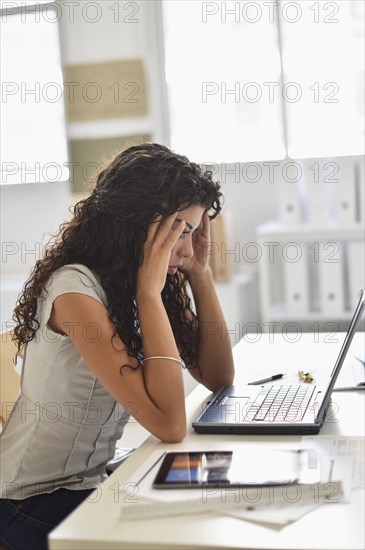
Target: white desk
97	524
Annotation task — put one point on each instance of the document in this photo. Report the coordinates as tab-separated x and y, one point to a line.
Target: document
352	449
345	458
351	377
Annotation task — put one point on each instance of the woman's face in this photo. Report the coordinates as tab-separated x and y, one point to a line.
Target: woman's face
183	248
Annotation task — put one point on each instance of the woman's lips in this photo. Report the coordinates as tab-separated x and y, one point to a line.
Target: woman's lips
172	269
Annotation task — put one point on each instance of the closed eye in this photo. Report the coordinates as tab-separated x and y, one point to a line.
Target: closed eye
182	235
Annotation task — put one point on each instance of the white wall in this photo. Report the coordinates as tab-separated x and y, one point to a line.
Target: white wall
250	203
29	213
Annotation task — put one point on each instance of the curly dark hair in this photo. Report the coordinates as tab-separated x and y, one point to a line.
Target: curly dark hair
107	234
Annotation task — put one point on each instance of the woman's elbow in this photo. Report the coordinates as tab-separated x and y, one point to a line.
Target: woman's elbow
228	376
173	434
220	382
229	379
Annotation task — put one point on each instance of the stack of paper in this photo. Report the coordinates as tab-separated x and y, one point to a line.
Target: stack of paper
278	505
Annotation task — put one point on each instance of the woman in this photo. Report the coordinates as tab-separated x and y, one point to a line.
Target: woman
107	322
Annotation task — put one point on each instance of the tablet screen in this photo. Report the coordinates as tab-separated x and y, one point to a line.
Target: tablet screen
238	468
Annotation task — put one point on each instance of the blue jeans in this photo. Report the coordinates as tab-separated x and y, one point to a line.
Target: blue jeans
25	524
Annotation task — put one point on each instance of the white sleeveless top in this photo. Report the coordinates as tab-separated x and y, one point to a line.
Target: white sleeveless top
64	426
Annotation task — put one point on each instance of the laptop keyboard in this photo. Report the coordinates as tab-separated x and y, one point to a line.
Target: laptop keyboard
281	403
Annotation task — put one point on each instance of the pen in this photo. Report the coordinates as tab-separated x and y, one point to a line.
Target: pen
264	380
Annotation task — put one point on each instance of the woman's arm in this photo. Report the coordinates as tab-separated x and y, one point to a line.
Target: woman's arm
215	353
155	391
215	367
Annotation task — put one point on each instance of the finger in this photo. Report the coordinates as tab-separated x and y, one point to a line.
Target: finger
206	224
204	227
153	229
173	235
165	227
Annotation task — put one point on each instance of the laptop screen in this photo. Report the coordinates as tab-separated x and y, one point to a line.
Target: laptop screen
343	351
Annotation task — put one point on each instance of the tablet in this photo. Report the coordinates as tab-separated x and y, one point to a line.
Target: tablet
238	468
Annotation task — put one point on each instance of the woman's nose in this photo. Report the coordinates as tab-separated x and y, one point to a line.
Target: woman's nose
187	250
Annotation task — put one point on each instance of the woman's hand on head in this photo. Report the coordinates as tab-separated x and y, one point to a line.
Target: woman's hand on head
199	263
162	236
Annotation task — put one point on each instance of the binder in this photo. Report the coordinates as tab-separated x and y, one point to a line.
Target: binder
290	186
318	191
296	278
361	188
345	189
330	278
356	270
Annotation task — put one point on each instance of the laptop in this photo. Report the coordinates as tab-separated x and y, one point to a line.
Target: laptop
274	409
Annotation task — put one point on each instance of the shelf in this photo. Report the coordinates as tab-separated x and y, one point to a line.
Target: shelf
103	129
308	231
324	278
277	312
